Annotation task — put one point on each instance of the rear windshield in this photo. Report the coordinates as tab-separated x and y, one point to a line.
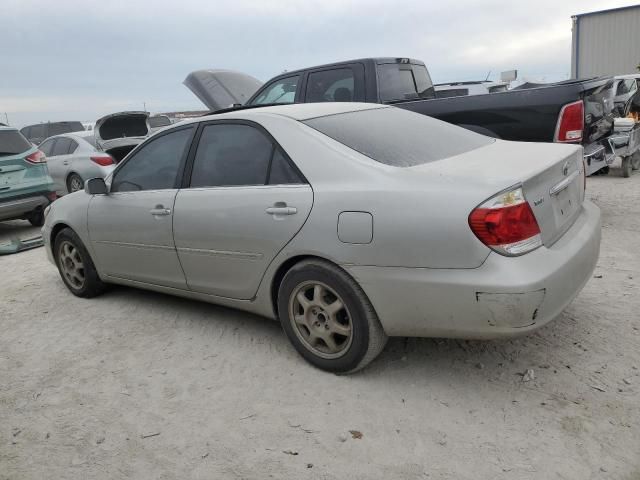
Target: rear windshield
398	137
12	143
58	128
155	122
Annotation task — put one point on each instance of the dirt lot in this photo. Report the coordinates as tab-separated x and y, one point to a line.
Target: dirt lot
139	385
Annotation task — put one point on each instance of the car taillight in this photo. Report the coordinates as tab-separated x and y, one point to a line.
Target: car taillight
506	224
103	160
36	157
570	123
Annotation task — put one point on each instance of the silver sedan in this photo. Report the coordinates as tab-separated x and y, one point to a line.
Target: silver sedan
347	222
73	158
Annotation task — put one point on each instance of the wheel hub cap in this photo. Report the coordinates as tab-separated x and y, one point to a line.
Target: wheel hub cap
71	265
320	319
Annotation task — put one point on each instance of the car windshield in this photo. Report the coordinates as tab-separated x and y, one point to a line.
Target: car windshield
398	137
12	143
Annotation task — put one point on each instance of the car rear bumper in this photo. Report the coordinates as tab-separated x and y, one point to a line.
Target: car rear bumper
506	296
17	207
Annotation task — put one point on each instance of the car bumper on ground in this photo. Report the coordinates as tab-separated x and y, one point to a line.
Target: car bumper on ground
506	296
18	207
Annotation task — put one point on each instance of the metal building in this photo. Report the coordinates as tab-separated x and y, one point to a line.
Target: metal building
606	42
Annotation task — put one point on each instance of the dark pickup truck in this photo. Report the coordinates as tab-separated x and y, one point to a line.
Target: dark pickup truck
574	111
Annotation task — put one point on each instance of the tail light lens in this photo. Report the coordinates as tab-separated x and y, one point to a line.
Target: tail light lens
36	157
506	224
570	123
52	196
103	160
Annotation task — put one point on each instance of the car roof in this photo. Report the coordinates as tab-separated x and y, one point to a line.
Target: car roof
296	111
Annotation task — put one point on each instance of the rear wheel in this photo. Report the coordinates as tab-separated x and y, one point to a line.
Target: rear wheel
75	265
74	183
36	218
328	318
627	167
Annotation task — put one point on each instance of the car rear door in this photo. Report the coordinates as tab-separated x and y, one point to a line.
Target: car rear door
131	228
58	162
244	202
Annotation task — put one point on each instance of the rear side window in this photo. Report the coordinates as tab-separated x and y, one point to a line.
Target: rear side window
398	137
61	147
73	145
337	85
280	91
231	155
282	172
13	142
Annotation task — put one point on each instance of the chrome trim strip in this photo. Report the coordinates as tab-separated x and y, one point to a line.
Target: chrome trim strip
221	253
136	245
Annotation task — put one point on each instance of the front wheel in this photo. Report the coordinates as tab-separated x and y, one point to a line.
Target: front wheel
626	167
76	268
328	318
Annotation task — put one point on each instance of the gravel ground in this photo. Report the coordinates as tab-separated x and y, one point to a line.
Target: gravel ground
139	385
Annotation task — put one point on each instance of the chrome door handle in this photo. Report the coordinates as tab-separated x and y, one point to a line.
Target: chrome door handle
160	210
281	210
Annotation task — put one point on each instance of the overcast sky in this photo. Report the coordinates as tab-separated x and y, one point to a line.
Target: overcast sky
79	60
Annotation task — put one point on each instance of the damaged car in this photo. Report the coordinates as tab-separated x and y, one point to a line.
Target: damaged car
348	222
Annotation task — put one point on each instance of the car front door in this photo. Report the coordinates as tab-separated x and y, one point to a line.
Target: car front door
245	201
131	228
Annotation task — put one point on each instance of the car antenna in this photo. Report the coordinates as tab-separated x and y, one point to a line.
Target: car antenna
488	75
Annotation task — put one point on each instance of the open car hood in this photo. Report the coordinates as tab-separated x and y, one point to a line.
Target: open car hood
221	88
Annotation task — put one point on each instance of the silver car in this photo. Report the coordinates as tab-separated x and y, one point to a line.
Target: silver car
347	222
73	158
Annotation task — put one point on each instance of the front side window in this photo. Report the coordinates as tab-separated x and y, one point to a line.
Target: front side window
331	86
156	165
280	91
230	155
61	147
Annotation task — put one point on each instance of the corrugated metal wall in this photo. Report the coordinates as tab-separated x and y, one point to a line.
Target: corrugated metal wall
606	43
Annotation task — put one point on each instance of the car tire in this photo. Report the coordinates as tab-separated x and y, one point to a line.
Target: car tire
76	268
36	218
74	183
626	166
635	161
328	318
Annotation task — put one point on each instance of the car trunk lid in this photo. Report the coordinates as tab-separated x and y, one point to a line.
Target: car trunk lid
551	176
118	133
219	89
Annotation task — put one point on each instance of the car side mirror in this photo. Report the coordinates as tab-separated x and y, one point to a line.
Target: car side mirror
96	186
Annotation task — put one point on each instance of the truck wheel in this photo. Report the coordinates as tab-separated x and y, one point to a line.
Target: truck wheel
328	318
627	167
635	161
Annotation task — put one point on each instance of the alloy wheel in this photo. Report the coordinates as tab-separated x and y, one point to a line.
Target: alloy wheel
71	264
320	319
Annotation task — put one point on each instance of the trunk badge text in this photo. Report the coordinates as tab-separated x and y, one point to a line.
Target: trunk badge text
538	202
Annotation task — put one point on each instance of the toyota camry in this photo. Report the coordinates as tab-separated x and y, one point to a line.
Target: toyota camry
347	222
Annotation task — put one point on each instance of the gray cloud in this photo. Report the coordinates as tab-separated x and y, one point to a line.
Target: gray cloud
82	59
